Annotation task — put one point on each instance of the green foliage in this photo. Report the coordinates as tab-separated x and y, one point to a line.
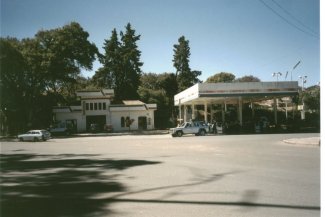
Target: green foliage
159	89
38	73
121	65
311	97
222	77
106	76
184	75
248	78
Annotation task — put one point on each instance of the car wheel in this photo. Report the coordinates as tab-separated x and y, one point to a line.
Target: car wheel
179	133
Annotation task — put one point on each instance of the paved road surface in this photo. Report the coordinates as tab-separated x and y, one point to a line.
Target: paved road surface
246	175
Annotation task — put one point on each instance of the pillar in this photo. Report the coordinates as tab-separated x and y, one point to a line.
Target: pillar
180	113
185	113
275	109
223	112
193	112
240	111
206	112
253	110
211	114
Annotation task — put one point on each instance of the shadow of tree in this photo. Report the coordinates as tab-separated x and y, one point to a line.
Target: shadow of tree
59	185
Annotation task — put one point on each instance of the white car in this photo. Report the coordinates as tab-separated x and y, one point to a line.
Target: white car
35	135
197	127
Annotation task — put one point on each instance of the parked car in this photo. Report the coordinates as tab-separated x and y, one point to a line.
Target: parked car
60	129
35	135
197	128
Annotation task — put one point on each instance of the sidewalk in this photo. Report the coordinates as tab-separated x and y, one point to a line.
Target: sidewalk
144	132
312	141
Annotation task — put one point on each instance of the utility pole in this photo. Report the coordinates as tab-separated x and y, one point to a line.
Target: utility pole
303	81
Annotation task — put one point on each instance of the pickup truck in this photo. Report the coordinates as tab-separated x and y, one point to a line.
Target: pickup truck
197	128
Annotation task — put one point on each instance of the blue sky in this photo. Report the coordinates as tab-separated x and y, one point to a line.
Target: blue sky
243	37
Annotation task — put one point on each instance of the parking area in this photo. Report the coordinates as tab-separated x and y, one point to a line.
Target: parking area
157	175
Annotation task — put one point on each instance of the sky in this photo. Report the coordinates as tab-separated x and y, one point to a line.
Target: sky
243	37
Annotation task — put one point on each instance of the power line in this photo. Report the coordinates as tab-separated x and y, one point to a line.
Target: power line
290	23
293	17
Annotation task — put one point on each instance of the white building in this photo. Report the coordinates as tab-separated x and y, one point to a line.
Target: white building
223	94
96	108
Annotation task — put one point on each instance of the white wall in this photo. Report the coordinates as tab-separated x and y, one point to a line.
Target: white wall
117	115
81	120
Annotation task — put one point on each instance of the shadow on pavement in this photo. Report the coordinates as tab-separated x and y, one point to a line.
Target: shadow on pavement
59	185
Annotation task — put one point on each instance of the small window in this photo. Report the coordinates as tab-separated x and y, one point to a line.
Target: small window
99	106
122	122
104	105
91	106
95	106
87	106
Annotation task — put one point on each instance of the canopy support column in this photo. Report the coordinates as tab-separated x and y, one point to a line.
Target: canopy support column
193	112
206	112
240	110
275	109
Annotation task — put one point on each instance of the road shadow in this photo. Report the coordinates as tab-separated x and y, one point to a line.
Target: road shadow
59	185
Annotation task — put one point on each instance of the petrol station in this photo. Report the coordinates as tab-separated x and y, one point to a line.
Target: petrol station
208	96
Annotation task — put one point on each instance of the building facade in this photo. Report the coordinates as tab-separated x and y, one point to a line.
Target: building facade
96	108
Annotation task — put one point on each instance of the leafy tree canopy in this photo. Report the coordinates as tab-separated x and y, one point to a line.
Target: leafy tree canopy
222	77
248	78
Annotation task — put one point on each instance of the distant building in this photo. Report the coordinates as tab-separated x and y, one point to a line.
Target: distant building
96	108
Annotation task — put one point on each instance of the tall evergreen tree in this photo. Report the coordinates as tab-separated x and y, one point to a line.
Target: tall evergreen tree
121	69
185	77
128	79
105	77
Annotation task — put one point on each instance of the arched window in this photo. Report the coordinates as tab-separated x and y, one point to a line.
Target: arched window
122	122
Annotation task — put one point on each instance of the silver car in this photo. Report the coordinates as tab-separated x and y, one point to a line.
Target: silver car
35	135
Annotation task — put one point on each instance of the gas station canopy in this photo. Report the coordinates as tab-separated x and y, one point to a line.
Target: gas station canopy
219	92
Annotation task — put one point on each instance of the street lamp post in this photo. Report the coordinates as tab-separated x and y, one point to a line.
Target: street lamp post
303	81
277	74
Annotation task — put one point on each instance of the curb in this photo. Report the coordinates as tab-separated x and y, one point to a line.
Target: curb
310	141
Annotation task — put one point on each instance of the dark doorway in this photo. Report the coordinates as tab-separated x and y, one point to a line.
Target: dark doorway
99	120
142	123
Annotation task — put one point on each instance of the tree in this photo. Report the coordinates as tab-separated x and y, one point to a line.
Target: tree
46	67
121	69
222	77
106	76
12	86
248	78
185	77
64	52
311	98
128	78
159	89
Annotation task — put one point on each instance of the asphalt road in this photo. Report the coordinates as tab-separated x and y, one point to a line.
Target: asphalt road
245	175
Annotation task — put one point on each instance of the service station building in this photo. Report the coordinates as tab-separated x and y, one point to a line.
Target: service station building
207	95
